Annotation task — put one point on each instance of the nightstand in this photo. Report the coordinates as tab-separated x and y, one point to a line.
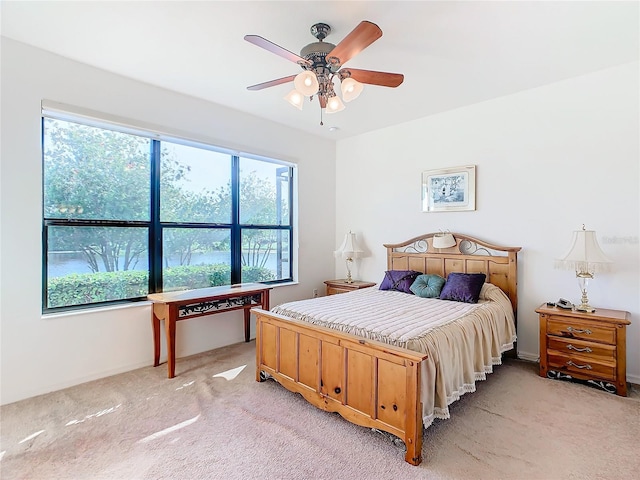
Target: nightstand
341	286
590	347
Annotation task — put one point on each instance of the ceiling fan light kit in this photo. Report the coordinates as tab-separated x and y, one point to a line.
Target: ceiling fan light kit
334	105
351	89
295	98
322	62
306	83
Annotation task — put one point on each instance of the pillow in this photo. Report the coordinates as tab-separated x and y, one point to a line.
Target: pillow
463	287
428	286
399	280
488	291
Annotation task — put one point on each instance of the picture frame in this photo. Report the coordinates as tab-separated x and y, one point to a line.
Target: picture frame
449	189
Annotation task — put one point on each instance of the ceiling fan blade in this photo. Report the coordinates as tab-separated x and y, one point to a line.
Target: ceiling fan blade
277	49
272	83
371	77
360	38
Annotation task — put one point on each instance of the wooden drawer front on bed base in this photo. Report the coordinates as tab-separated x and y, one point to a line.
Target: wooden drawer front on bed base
369	383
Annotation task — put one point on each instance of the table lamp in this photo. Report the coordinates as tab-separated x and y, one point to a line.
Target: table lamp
349	250
586	258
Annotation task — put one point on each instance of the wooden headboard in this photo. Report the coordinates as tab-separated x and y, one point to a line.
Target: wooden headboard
468	255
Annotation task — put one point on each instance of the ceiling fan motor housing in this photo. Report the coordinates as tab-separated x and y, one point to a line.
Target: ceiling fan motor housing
316	49
316	53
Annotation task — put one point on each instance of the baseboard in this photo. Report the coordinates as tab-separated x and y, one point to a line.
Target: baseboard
635	379
34	392
529	357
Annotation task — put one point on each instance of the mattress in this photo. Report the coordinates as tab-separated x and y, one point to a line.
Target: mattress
463	341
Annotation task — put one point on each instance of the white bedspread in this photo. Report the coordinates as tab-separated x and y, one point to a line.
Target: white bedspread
463	341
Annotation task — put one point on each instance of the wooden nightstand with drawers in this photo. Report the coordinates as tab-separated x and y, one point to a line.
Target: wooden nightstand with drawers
587	346
341	286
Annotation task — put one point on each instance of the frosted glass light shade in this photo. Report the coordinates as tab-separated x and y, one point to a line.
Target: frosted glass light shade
334	104
306	83
351	89
295	98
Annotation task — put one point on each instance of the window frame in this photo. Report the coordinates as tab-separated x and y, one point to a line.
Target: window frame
154	225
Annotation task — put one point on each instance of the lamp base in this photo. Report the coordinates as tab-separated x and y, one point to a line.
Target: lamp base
585	308
583	281
348	279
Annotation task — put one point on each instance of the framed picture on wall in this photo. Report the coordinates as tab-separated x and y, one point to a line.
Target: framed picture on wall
449	189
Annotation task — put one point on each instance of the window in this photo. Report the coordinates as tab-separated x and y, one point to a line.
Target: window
127	214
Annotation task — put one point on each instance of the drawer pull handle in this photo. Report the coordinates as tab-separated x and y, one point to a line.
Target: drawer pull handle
587	366
577	330
585	349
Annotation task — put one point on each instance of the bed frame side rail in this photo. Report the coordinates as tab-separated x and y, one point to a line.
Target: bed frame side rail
369	383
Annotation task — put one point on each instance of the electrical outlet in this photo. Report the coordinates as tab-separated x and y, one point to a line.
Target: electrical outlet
315	292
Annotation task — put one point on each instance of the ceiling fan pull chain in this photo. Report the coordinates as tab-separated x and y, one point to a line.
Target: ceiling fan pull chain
321	109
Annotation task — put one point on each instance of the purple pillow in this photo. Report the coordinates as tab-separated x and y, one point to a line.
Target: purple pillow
463	287
399	280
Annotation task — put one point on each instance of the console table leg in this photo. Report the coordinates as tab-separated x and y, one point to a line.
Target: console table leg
170	326
247	324
155	325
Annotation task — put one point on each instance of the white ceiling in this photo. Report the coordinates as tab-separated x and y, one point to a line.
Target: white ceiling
451	53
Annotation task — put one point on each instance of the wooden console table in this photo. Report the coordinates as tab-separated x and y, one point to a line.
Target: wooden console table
182	305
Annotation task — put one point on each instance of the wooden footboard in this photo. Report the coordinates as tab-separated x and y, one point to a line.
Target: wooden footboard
369	383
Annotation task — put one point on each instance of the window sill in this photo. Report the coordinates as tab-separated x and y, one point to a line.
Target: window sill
95	310
122	306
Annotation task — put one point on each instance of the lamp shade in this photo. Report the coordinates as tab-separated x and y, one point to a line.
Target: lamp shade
443	240
585	254
349	247
306	83
351	89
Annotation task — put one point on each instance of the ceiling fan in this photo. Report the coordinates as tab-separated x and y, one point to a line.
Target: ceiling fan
321	62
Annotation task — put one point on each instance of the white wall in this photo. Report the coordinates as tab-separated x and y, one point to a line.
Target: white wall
41	354
548	160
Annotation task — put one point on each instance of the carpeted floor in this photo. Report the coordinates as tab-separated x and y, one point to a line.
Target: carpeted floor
214	421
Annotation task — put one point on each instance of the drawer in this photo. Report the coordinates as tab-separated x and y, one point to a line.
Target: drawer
572	346
562	327
576	364
336	290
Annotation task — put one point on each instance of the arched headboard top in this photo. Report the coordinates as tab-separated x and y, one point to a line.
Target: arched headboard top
468	255
459	237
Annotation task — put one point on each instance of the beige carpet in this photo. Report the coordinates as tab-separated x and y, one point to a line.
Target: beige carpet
200	425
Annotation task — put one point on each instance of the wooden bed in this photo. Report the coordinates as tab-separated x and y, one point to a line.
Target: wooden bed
367	382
